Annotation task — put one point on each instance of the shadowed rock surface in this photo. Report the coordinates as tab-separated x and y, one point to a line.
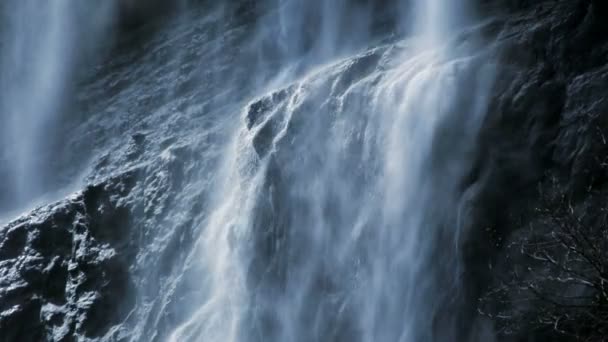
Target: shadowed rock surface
65	267
543	145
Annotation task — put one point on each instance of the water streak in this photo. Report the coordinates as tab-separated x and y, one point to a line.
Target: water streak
42	43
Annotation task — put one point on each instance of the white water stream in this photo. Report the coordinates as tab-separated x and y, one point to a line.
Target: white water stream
352	174
337	209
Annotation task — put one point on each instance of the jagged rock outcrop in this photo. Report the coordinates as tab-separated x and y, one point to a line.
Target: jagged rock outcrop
64	268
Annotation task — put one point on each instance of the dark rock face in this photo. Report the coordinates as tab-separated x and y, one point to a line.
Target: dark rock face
64	269
544	139
135	13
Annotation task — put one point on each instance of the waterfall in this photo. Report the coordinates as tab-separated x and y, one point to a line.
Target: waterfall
297	169
42	44
340	215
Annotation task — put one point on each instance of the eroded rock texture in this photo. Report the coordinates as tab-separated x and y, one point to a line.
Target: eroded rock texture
64	268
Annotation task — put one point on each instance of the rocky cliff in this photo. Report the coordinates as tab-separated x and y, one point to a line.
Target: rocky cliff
535	254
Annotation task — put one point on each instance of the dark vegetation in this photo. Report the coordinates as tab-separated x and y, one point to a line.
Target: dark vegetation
540	259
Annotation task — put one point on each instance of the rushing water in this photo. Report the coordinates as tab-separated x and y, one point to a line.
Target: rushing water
332	165
343	200
42	43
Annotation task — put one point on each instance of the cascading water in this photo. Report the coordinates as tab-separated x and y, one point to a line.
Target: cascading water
300	173
340	214
42	45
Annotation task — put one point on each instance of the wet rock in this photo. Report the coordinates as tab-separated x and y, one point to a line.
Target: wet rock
64	268
135	13
544	134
